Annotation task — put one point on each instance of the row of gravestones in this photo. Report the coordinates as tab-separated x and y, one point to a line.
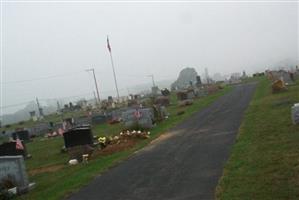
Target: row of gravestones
12	167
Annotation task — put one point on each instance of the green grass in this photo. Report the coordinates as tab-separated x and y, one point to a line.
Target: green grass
58	184
264	162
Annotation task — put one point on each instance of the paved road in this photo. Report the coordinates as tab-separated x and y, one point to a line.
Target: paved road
184	164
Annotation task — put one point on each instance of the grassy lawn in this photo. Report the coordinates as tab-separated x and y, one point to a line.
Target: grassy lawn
264	162
62	179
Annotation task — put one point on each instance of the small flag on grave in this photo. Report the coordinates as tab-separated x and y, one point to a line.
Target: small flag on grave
19	144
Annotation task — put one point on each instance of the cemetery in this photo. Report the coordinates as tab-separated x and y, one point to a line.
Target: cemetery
88	141
77	144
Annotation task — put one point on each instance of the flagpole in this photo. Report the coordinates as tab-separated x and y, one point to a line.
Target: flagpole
112	64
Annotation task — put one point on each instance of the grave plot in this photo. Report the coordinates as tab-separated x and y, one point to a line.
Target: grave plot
78	142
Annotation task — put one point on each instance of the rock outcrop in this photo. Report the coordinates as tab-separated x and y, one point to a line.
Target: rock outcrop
186	76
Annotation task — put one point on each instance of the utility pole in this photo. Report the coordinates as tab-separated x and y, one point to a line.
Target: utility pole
94	95
95	82
153	80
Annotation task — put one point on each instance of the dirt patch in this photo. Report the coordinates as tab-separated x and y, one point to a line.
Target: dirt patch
52	168
122	145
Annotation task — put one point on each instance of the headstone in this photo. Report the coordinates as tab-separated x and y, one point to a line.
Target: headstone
98	119
181	95
22	135
78	136
138	118
39	129
9	149
165	92
162	100
110	99
185	94
82	120
295	113
282	75
12	170
198	81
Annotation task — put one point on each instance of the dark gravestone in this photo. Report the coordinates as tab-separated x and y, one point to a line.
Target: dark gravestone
165	92
198	81
9	149
22	135
78	136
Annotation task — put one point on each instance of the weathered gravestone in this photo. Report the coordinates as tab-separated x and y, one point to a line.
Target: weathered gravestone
39	129
13	173
138	118
78	136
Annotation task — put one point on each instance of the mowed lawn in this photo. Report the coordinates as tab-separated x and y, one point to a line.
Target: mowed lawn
55	179
264	162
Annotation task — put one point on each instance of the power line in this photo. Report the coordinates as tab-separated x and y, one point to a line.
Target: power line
18	104
70	74
41	78
45	99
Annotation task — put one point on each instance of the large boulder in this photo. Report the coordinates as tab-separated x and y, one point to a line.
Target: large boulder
186	76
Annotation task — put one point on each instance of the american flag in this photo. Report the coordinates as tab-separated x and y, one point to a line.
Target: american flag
108	45
19	144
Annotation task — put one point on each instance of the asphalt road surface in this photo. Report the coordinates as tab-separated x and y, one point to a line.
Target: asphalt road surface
185	163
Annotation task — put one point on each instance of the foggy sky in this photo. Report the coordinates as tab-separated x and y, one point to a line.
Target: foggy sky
45	40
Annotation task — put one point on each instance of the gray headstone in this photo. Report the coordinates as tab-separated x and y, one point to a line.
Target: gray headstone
13	168
145	120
